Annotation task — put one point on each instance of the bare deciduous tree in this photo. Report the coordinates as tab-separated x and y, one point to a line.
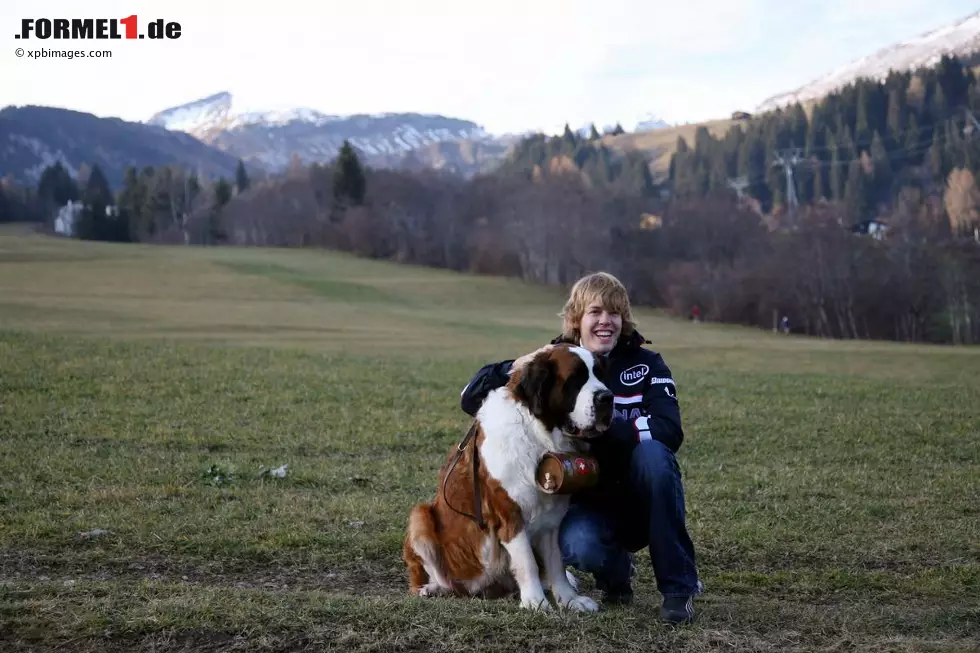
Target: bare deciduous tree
962	200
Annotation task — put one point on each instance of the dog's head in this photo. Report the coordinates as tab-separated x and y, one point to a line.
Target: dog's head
562	388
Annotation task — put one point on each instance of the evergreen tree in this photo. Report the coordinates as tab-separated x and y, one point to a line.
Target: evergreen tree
896	116
618	129
94	221
939	106
718	175
679	152
222	192
156	207
877	109
57	186
913	141
935	158
951	81
635	178
132	202
594	133
752	164
857	197
222	195
848	148
797	125
882	166
349	182
819	186
835	174
816	134
242	181
193	188
569	140
862	128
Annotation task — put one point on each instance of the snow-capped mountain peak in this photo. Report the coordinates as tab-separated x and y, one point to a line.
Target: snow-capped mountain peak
220	111
650	122
271	137
192	116
646	122
959	39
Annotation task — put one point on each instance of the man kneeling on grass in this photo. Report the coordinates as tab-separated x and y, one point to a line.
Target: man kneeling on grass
639	500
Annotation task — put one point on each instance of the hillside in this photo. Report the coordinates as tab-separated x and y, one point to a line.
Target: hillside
960	39
32	138
464	157
660	144
862	147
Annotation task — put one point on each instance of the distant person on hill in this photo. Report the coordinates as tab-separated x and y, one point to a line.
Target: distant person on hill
639	500
784	325
695	314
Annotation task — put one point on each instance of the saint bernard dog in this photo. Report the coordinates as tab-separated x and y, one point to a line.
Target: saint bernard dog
491	527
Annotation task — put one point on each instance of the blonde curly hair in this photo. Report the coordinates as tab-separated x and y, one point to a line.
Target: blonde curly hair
603	287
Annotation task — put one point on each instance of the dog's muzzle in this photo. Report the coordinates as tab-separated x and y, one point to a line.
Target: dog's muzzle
603	404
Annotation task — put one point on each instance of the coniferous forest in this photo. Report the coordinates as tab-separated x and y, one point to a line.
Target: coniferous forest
724	231
860	146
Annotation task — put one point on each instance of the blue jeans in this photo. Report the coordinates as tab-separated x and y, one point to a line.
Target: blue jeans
598	540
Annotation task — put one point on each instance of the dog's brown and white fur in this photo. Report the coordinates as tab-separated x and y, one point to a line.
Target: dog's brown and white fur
553	404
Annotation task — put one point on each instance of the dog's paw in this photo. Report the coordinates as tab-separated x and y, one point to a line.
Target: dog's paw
536	603
582	604
432	589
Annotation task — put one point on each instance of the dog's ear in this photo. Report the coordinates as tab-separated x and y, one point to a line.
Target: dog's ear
534	387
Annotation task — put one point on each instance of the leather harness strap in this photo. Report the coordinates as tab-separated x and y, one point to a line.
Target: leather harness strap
477	495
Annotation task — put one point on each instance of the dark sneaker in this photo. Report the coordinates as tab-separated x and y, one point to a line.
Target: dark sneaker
678	610
617	597
620	593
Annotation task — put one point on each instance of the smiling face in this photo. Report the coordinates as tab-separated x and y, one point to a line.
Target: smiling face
600	328
597	313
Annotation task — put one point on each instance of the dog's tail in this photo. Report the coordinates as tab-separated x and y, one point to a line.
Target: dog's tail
422	552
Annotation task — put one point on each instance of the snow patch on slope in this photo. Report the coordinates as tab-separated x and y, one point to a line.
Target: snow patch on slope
957	39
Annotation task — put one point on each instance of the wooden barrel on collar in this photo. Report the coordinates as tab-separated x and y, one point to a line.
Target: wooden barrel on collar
565	473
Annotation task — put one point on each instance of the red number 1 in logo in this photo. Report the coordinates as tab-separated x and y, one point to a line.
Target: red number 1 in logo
130	23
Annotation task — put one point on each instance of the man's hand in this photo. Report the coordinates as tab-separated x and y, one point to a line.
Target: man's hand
527	358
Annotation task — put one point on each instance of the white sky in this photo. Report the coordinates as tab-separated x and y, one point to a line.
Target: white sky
509	65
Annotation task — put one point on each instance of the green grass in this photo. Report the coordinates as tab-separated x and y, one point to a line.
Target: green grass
833	488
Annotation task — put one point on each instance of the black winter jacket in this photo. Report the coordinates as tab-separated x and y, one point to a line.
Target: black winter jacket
646	404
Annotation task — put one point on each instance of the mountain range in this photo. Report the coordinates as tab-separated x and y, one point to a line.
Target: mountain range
271	138
211	134
33	137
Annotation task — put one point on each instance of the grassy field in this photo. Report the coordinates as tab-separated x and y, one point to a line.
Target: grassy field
833	488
